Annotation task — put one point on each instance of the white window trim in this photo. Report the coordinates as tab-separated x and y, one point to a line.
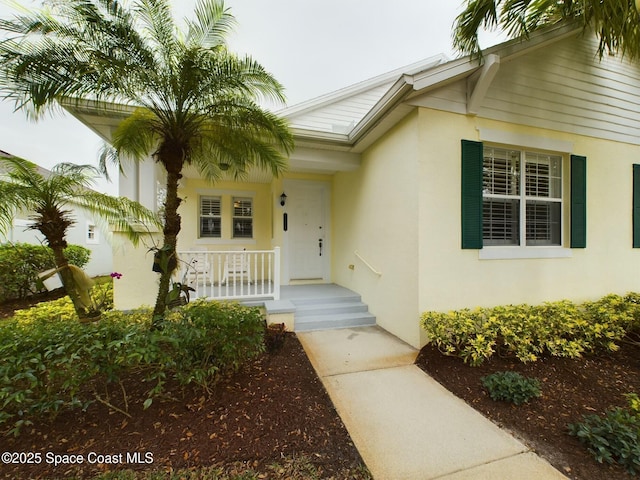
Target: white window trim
522	142
234	217
523	198
96	234
517	252
200	216
208	192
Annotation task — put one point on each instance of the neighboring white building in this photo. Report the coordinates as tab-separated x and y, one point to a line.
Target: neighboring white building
84	233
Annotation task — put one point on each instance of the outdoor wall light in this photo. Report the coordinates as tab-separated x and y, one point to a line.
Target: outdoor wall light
283	199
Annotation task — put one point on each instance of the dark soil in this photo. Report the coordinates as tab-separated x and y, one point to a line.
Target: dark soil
273	409
570	389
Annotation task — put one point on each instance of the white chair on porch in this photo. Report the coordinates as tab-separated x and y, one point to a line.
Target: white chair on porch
236	265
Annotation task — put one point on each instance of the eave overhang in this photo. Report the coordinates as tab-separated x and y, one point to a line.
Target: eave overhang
328	152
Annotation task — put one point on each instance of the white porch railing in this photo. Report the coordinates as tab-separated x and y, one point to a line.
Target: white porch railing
231	275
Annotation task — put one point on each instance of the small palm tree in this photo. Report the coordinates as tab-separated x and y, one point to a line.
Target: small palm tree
616	22
49	196
195	103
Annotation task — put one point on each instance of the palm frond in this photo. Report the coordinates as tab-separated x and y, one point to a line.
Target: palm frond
477	14
159	28
120	213
616	22
13	199
212	24
137	135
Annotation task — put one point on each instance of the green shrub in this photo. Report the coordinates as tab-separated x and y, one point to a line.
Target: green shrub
49	361
20	264
614	437
562	329
511	387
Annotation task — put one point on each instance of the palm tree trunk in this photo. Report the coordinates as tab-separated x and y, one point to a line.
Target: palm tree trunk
167	252
69	282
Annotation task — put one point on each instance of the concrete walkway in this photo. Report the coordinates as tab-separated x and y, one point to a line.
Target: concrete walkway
405	425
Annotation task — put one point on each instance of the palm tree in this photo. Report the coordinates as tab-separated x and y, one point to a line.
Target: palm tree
195	102
49	196
616	22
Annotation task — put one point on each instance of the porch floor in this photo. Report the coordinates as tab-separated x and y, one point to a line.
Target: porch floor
314	292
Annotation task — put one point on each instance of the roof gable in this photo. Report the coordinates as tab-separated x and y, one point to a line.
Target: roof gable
340	111
553	80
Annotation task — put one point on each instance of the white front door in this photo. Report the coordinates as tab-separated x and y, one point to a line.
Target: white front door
307	212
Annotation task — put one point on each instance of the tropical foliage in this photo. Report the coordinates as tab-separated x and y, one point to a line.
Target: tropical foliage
191	101
49	197
50	362
511	387
528	332
615	22
614	437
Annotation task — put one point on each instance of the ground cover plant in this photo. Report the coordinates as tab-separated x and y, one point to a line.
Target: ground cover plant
271	419
588	389
49	361
511	387
613	437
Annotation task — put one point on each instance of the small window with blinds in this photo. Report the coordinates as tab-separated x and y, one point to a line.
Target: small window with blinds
242	217
522	198
210	217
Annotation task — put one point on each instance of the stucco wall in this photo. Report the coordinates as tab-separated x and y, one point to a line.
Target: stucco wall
452	278
375	212
190	191
139	284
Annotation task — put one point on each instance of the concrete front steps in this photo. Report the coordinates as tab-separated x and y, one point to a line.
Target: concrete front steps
331	312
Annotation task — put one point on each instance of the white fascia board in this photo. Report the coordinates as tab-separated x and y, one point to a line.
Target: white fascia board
320	136
447	73
360	87
385	105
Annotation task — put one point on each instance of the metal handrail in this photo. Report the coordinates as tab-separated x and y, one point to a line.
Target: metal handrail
371	267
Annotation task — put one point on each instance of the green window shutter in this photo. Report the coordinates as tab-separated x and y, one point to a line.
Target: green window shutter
472	158
636	206
578	201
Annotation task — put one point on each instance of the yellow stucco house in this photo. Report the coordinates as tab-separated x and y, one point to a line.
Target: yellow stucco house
447	184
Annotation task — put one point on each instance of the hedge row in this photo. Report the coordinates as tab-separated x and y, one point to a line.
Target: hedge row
20	264
562	329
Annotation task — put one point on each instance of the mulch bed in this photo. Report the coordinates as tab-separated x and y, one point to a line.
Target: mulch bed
570	389
275	408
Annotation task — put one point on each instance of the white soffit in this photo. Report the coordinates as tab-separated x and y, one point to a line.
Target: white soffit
305	159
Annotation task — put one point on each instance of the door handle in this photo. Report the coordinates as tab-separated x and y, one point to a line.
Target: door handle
320	245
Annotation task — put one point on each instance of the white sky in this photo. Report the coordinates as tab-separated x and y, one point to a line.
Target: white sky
311	46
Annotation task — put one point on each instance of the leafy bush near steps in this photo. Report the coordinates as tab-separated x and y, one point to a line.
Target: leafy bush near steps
562	328
49	361
614	437
20	264
511	387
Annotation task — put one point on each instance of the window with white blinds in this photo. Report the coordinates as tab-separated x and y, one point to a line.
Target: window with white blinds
522	198
210	217
242	217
